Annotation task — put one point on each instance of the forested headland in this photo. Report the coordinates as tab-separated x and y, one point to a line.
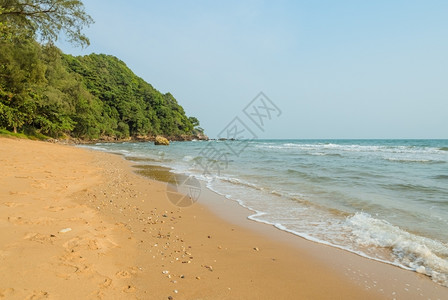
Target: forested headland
44	92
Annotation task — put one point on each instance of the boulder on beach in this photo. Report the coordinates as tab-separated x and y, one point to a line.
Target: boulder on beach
160	140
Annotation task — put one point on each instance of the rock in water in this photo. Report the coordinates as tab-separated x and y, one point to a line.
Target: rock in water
160	140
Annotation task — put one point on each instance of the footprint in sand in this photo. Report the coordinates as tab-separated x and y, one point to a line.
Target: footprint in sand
38	221
129	289
54	209
40	238
3	255
105	244
16	220
98	295
77	265
101	244
14	204
6	293
107	282
18	193
123	274
43	221
72	244
39	184
101	228
93	245
38	295
79	220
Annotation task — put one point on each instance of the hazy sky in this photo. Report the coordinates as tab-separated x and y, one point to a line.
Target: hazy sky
336	69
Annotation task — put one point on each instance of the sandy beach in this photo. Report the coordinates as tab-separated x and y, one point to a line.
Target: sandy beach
79	224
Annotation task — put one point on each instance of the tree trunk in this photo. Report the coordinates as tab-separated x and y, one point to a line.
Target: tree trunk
15	129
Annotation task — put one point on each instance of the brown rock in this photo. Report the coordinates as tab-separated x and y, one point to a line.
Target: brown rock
160	140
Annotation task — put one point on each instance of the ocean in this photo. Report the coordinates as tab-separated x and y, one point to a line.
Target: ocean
383	199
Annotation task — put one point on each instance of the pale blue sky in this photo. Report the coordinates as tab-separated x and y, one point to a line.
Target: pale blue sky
336	69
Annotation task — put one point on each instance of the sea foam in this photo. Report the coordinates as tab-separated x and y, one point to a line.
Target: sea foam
411	251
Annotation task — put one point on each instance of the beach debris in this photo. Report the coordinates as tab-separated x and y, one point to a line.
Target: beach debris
176	291
256	249
182	276
209	267
165	272
65	230
198	278
170	297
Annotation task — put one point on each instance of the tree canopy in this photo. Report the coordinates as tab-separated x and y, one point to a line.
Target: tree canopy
46	19
133	105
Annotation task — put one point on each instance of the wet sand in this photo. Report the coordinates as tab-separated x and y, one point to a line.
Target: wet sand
79	224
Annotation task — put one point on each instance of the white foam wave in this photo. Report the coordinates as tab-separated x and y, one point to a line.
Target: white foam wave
258	217
94	148
188	158
410	160
239	182
411	251
353	148
408	251
318	154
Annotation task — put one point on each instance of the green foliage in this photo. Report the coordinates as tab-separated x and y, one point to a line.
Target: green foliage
47	18
86	97
28	135
4	132
194	121
46	92
34	88
137	108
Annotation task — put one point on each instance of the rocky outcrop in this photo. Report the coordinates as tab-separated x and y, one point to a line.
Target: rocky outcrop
160	140
139	138
201	136
186	138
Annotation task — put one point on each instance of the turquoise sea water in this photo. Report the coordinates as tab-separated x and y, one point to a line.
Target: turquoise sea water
383	199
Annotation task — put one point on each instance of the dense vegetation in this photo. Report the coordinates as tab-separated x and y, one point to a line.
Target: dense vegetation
44	91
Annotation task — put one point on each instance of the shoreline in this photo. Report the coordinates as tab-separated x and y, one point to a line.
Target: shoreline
356	266
369	273
126	240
